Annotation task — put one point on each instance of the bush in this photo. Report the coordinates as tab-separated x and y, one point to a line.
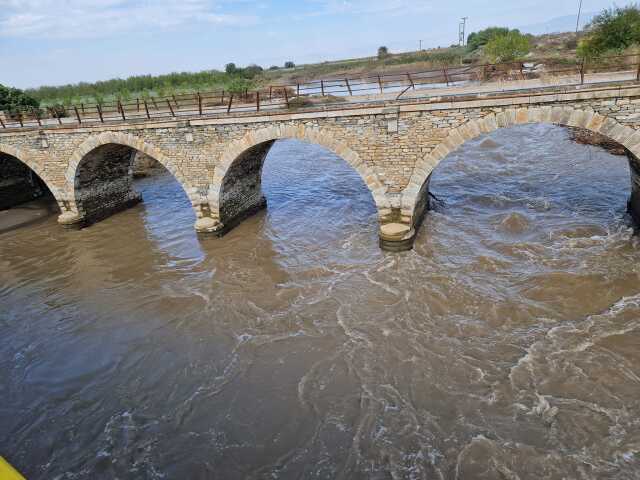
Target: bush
289	64
614	29
274	67
507	47
252	71
479	39
231	68
383	52
12	99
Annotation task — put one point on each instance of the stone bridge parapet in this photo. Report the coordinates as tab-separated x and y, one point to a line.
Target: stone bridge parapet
394	147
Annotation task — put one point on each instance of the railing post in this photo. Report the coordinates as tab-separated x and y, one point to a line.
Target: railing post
582	72
346	80
2	123
322	86
270	92
170	107
137	102
99	112
411	81
121	108
286	97
146	109
155	105
230	102
20	119
638	70
222	98
199	103
380	83
522	70
297	89
82	108
446	77
257	100
77	114
175	101
36	113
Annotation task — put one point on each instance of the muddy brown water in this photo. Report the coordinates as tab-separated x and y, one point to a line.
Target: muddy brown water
506	345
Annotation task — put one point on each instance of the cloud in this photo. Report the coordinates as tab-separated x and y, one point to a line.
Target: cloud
98	18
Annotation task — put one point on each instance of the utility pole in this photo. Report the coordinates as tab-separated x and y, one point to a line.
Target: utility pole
420	45
461	29
578	20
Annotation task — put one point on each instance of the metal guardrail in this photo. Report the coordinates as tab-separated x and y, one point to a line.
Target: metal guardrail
326	91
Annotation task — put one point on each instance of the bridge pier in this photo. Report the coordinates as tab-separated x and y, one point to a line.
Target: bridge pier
634	200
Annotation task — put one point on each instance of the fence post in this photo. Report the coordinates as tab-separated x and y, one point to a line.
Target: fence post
222	98
380	83
77	114
297	89
170	107
121	108
286	97
2	123
322	87
446	77
230	102
270	92
638	70
582	72
257	100
346	80
411	81
146	109
137	102
522	70
199	103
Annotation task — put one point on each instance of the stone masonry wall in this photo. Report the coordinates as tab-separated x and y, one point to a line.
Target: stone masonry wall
394	148
18	183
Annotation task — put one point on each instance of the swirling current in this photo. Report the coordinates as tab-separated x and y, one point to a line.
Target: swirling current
506	345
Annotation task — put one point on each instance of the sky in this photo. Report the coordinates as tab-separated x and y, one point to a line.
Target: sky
53	42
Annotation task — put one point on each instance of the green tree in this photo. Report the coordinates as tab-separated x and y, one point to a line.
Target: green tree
231	68
507	47
13	99
251	71
383	52
289	64
479	39
614	29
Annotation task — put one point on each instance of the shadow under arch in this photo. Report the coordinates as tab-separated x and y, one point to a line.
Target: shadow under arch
415	197
100	173
236	189
30	160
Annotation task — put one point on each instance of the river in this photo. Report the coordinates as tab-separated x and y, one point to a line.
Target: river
506	345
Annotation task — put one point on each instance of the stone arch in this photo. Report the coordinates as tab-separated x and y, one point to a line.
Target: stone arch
313	135
77	215
413	196
30	159
136	143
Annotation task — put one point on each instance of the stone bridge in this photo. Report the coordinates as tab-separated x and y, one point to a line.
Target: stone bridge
394	145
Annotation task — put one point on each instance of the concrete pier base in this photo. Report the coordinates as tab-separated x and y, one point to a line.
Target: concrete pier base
396	237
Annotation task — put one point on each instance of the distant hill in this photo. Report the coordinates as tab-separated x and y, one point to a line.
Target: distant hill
566	23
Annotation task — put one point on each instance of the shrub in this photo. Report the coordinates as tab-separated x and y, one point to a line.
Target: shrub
274	67
614	29
507	47
12	99
289	64
252	71
383	52
231	68
476	40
